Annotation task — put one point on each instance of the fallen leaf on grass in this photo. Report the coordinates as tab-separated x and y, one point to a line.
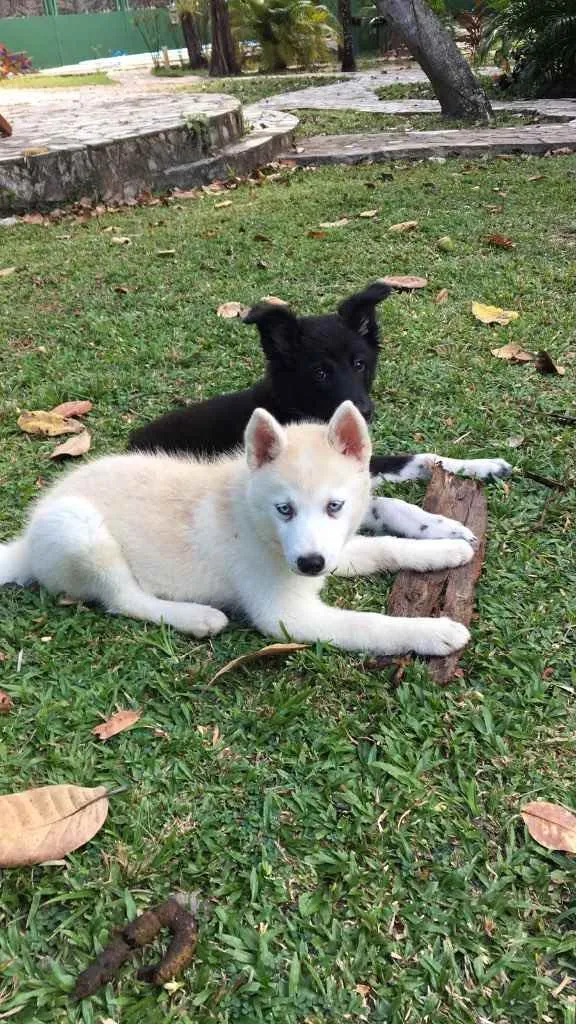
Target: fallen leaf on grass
223	204
232	310
79	408
166	252
262	238
513	353
121	240
7	271
405	283
515	441
493	314
272	300
49	822
6	703
494	209
369	214
73	447
545	364
442	296
551	825
122	289
117	722
405	225
336	223
48	424
499	241
535	177
316	234
271	651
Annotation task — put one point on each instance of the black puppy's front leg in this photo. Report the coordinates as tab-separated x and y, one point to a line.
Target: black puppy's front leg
397	468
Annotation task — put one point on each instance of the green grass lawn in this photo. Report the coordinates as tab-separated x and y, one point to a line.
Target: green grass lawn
343	122
251	89
424	91
56	81
356	842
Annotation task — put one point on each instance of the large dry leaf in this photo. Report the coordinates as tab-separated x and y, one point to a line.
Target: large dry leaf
316	234
271	651
47	823
232	310
513	353
493	314
405	225
6	703
7	271
545	364
48	424
335	223
118	722
273	300
79	408
73	447
369	214
499	241
406	283
442	296
550	825
121	240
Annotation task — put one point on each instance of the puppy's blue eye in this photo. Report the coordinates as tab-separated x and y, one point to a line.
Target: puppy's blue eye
285	510
333	507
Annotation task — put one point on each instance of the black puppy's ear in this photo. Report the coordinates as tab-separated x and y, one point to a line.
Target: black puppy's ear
278	327
358	312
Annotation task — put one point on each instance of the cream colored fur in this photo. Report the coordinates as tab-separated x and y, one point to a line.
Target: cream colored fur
175	540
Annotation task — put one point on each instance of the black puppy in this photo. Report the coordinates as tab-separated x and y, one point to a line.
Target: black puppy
313	363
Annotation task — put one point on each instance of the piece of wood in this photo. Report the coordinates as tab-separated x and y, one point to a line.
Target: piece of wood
447	592
5	128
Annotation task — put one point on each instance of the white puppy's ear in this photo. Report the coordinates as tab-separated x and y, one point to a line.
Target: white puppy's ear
348	433
264	439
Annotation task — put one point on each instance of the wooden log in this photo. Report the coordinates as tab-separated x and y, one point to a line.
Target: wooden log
447	592
5	128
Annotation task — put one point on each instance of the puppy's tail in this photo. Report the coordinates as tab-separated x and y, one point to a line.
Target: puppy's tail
13	562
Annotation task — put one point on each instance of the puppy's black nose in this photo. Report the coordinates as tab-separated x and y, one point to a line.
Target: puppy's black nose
367	409
311	565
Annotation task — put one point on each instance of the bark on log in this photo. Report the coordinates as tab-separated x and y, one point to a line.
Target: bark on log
458	91
450	591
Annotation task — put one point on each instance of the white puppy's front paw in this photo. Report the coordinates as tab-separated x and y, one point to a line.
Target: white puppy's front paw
441	554
210	622
442	528
488	469
440	637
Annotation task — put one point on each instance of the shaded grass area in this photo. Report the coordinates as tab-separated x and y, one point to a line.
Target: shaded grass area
251	89
343	122
424	91
56	81
356	842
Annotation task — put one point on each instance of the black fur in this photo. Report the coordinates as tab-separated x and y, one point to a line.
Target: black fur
313	363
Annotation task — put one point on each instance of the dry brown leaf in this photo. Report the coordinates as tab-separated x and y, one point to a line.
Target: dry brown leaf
369	214
271	651
316	234
272	300
551	825
223	204
545	364
513	353
34	218
499	241
336	223
73	447
405	225
7	271
535	177
262	238
442	296
493	314
121	240
406	283
79	408
6	703
232	310
166	252
516	441
117	722
48	424
47	823
122	289
495	209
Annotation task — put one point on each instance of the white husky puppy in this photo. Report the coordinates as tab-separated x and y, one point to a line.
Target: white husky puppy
175	540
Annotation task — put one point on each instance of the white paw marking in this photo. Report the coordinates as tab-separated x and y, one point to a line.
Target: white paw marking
488	469
441	637
210	622
443	528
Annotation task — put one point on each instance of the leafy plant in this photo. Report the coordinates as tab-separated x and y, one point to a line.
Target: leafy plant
13	63
534	41
289	31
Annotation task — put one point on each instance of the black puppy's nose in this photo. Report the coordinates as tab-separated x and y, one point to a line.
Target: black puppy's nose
367	410
311	565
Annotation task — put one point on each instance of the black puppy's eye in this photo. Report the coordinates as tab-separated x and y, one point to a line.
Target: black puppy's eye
333	507
319	373
285	509
359	365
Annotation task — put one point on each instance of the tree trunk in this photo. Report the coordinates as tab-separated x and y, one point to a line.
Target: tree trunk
459	93
347	47
224	59
189	25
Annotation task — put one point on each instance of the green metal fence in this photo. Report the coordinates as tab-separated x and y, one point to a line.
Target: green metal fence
51	40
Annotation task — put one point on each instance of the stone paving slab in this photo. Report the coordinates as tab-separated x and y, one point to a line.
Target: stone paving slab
397	145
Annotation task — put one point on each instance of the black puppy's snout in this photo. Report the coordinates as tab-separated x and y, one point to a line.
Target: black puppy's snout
367	409
311	565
